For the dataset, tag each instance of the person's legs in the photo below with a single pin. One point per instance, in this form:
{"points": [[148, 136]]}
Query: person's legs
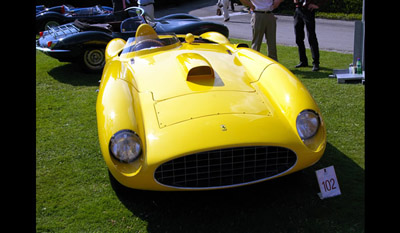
{"points": [[225, 10], [309, 20], [258, 27], [299, 34], [219, 6], [270, 35], [149, 9]]}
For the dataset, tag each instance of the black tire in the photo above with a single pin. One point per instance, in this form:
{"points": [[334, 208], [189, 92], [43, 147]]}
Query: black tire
{"points": [[93, 59]]}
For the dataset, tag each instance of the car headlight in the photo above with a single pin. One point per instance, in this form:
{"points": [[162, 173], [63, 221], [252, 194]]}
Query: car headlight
{"points": [[307, 124], [125, 146]]}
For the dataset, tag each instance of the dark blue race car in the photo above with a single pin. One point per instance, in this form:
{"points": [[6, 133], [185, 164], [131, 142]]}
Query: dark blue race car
{"points": [[57, 15], [85, 43]]}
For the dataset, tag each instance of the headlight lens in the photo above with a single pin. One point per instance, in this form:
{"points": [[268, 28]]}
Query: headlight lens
{"points": [[307, 124], [125, 146]]}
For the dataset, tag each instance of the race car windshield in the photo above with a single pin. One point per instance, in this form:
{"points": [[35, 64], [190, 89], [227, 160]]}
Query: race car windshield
{"points": [[135, 44], [87, 11]]}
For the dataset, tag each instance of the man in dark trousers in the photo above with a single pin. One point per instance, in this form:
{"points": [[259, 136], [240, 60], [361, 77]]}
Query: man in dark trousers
{"points": [[305, 15]]}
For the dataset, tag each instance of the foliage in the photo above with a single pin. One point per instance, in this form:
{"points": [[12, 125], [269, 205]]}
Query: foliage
{"points": [[86, 3], [331, 6]]}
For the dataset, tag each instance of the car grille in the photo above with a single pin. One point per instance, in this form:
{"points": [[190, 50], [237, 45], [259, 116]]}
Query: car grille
{"points": [[225, 167]]}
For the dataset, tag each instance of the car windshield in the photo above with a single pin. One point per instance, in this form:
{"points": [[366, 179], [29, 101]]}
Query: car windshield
{"points": [[87, 11], [148, 43]]}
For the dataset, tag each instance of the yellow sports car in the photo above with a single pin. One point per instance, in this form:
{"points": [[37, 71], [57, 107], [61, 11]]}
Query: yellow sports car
{"points": [[184, 112]]}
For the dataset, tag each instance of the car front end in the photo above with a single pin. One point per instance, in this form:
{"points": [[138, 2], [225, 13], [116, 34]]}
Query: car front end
{"points": [[212, 150]]}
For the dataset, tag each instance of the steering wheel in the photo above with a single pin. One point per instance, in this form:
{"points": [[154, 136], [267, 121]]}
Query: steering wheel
{"points": [[149, 43], [139, 12], [134, 7]]}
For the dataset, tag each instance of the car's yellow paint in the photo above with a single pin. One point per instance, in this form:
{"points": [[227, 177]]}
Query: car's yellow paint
{"points": [[114, 48], [177, 97]]}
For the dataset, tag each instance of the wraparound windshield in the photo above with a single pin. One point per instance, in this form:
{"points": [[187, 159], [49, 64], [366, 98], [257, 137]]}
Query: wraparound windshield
{"points": [[96, 10], [135, 44]]}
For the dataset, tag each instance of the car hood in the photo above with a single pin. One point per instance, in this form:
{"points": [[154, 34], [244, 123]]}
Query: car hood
{"points": [[203, 82], [167, 74]]}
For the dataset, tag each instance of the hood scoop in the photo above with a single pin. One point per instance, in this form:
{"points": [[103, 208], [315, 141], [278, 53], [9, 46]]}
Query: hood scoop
{"points": [[196, 68]]}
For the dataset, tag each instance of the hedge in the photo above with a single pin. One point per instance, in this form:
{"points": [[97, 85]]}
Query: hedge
{"points": [[80, 3], [332, 6]]}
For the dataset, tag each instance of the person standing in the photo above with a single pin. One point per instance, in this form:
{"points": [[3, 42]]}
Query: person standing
{"points": [[223, 4], [118, 9], [232, 5], [305, 15], [263, 23], [147, 6]]}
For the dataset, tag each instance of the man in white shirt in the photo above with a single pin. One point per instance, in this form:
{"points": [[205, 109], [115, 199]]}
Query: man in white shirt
{"points": [[263, 22]]}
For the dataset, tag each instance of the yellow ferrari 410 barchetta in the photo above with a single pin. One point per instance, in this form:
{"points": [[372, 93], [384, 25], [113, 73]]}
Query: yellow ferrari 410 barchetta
{"points": [[184, 112]]}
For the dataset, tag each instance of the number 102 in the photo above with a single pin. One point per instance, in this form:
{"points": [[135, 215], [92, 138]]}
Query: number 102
{"points": [[329, 185]]}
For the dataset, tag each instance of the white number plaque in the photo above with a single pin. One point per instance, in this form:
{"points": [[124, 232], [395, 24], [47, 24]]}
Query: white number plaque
{"points": [[328, 183]]}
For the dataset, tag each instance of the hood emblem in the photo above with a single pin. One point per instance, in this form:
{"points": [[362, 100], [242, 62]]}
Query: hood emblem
{"points": [[223, 128]]}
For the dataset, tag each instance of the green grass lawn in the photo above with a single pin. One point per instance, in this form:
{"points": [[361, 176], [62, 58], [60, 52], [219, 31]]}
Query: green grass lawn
{"points": [[74, 192]]}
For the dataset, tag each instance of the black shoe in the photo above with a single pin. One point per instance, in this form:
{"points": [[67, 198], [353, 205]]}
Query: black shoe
{"points": [[302, 64], [315, 67], [226, 20]]}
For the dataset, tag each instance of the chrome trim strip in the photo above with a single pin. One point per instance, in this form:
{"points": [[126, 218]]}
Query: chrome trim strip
{"points": [[47, 50]]}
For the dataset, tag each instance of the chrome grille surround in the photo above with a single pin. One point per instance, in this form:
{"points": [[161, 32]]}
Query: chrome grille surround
{"points": [[225, 167]]}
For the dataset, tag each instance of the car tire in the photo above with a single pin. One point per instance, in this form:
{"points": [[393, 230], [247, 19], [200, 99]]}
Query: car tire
{"points": [[93, 59]]}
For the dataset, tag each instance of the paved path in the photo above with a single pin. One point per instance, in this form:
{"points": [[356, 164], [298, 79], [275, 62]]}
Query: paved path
{"points": [[333, 35]]}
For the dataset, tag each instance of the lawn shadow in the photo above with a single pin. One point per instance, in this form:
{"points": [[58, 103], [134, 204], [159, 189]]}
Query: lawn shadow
{"points": [[74, 75], [307, 72], [286, 204]]}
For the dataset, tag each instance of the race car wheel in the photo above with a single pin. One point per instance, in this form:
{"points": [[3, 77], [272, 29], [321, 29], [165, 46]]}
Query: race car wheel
{"points": [[93, 59]]}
